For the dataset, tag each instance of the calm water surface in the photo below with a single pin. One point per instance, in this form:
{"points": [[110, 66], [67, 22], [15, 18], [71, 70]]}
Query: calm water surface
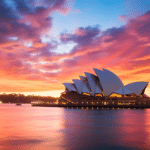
{"points": [[41, 128]]}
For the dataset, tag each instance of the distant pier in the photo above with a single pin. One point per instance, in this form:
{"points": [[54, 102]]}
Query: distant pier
{"points": [[91, 106]]}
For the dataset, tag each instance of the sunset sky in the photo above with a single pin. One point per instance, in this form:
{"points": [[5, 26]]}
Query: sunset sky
{"points": [[44, 43]]}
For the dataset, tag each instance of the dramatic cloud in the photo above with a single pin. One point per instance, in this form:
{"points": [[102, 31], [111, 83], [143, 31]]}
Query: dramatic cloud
{"points": [[124, 50], [33, 64], [22, 25], [82, 36]]}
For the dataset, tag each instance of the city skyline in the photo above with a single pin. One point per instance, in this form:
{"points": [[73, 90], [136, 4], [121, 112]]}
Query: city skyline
{"points": [[47, 43]]}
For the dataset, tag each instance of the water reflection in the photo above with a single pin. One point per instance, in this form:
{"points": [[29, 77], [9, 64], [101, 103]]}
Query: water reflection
{"points": [[42, 128], [134, 129], [30, 127], [107, 129]]}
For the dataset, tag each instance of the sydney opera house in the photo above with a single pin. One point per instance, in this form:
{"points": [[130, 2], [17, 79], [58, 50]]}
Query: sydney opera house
{"points": [[104, 88]]}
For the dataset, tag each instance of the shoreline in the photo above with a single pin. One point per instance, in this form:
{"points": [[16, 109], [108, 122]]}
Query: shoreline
{"points": [[92, 106]]}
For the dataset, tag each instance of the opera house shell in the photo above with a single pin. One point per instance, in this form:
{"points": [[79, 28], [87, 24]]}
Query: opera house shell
{"points": [[105, 83], [104, 89]]}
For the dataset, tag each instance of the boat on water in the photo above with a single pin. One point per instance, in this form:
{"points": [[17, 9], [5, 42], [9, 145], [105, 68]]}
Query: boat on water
{"points": [[18, 104]]}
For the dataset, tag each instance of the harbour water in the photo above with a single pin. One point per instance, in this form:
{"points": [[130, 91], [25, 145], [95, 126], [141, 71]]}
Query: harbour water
{"points": [[42, 128]]}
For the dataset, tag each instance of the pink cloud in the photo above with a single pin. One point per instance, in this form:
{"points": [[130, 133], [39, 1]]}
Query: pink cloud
{"points": [[124, 50]]}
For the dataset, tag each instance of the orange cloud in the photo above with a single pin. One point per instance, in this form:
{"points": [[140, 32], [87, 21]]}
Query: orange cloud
{"points": [[28, 64]]}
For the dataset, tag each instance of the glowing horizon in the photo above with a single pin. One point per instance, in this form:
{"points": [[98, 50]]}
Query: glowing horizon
{"points": [[46, 43], [43, 93]]}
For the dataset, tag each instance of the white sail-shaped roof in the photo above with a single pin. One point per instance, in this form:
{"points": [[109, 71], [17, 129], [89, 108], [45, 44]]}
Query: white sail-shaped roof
{"points": [[127, 91], [120, 91], [109, 81], [74, 88], [105, 83], [79, 85], [123, 91], [137, 87], [70, 86], [86, 88], [83, 79], [93, 81], [98, 89]]}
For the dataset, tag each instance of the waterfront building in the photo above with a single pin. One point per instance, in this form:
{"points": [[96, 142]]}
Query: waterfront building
{"points": [[104, 87]]}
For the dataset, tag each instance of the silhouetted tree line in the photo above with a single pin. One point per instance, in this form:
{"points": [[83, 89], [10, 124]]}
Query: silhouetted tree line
{"points": [[15, 98]]}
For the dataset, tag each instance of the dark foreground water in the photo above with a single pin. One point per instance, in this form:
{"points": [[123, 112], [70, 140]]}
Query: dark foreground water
{"points": [[40, 128]]}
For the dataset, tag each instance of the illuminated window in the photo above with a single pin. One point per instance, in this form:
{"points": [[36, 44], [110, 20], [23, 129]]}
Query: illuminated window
{"points": [[86, 94], [100, 95], [130, 95], [116, 95]]}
